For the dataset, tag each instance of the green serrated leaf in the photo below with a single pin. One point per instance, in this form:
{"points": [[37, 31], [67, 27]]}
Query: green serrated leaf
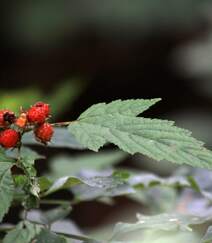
{"points": [[164, 222], [208, 236], [6, 188], [159, 139], [126, 108], [48, 236], [23, 233]]}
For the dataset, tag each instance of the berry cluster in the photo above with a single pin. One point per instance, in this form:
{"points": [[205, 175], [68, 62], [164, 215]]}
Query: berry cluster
{"points": [[35, 118]]}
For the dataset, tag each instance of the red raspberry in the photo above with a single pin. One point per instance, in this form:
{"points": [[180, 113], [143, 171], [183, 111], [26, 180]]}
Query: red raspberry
{"points": [[9, 138], [6, 116], [36, 115], [44, 106], [44, 132]]}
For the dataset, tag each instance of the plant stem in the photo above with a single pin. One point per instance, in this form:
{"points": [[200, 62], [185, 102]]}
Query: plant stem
{"points": [[62, 124], [79, 237], [6, 228], [25, 215], [54, 202]]}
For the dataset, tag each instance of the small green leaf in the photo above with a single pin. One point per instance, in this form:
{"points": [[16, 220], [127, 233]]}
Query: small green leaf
{"points": [[208, 236], [44, 183], [23, 233], [46, 236], [28, 158], [6, 188], [117, 123], [20, 180]]}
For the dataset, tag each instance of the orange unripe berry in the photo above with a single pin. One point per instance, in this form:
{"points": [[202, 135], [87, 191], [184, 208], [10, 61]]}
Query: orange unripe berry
{"points": [[21, 121]]}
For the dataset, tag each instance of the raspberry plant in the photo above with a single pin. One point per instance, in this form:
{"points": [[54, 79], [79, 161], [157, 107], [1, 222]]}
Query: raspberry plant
{"points": [[117, 123]]}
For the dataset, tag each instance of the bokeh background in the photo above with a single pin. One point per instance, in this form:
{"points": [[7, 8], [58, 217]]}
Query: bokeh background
{"points": [[73, 54]]}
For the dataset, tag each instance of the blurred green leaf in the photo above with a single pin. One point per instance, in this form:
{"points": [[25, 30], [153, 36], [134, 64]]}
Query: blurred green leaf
{"points": [[208, 236], [44, 183], [61, 139], [164, 222], [61, 98], [5, 157], [14, 99], [103, 183], [24, 232], [73, 165], [64, 96], [48, 236], [20, 180], [55, 214]]}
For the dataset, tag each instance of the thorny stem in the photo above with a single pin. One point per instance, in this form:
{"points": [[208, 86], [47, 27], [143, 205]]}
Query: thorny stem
{"points": [[57, 124], [19, 154], [62, 124]]}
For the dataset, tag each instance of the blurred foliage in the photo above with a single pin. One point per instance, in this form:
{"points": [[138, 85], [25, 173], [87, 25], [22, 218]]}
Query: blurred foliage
{"points": [[85, 163], [60, 139], [61, 98]]}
